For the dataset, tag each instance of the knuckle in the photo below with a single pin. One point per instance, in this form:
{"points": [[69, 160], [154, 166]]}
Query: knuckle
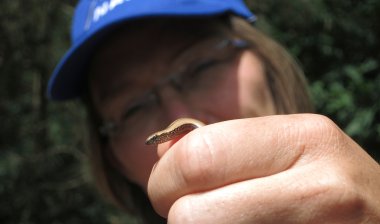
{"points": [[347, 201], [351, 204], [322, 125], [320, 131], [336, 193]]}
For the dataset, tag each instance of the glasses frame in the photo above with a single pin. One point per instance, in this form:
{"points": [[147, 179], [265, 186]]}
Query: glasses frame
{"points": [[107, 128]]}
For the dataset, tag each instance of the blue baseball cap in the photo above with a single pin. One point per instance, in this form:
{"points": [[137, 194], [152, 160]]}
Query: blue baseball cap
{"points": [[93, 19]]}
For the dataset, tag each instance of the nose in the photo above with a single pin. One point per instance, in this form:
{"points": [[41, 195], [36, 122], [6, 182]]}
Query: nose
{"points": [[174, 106], [173, 103]]}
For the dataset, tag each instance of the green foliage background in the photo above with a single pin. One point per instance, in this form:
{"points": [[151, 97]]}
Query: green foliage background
{"points": [[42, 154]]}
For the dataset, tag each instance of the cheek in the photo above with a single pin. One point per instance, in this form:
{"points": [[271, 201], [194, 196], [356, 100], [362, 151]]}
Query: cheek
{"points": [[255, 98], [135, 161]]}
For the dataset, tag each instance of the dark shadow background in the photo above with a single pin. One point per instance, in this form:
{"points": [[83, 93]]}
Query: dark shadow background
{"points": [[42, 154]]}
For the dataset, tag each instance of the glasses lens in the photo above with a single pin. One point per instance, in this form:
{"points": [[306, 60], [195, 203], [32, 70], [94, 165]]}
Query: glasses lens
{"points": [[198, 72], [207, 70]]}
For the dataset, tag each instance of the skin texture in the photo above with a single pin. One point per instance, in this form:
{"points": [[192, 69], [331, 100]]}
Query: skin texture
{"points": [[295, 169], [247, 165]]}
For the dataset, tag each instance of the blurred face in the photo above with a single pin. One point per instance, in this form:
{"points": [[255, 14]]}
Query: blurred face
{"points": [[143, 80]]}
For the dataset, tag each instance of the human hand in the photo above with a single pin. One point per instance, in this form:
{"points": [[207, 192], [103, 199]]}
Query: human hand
{"points": [[276, 169]]}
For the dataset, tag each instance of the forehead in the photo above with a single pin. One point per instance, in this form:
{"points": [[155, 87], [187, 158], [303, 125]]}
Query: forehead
{"points": [[143, 36], [144, 45]]}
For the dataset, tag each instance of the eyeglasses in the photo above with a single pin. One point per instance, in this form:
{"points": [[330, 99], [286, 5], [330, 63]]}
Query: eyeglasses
{"points": [[201, 74]]}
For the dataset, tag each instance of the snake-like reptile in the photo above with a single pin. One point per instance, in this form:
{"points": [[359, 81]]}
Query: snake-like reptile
{"points": [[178, 127]]}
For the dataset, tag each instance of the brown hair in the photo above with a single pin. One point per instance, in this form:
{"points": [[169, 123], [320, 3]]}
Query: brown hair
{"points": [[285, 78], [288, 88]]}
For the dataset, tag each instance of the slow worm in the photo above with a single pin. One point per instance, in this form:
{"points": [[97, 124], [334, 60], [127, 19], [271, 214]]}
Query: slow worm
{"points": [[178, 127]]}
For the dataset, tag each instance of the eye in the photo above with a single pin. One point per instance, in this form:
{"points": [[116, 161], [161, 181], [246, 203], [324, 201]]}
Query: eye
{"points": [[196, 74], [131, 110], [204, 65], [139, 105], [198, 68]]}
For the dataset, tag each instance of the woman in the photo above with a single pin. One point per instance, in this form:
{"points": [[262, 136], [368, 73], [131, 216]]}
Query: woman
{"points": [[138, 65]]}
